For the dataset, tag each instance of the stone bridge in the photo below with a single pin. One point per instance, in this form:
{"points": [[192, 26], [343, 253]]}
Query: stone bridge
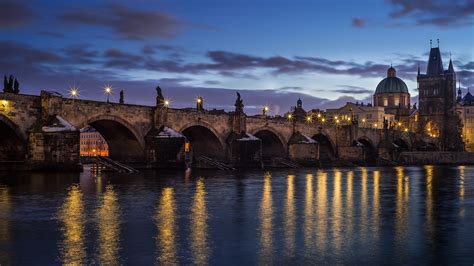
{"points": [[128, 128]]}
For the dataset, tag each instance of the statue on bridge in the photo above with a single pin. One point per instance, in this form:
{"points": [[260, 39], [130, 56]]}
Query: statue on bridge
{"points": [[121, 97], [239, 104], [160, 100]]}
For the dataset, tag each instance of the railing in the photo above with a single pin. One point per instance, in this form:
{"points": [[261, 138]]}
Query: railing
{"points": [[114, 165], [214, 163]]}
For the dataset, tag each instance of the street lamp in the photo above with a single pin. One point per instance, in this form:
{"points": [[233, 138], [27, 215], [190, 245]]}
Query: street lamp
{"points": [[309, 119], [108, 91], [74, 92], [4, 103], [167, 103], [265, 110]]}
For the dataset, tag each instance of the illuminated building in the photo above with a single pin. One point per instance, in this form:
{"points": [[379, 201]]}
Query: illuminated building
{"points": [[92, 143]]}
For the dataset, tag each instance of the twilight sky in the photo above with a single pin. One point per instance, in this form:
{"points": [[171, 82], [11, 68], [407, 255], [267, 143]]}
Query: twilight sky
{"points": [[327, 52]]}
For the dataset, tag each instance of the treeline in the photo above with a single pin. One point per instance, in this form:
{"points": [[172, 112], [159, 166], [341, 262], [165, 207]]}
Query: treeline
{"points": [[11, 85]]}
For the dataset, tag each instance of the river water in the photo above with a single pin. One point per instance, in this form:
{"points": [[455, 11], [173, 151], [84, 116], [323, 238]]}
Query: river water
{"points": [[409, 215]]}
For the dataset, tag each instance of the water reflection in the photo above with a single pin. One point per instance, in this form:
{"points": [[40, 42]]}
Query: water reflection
{"points": [[199, 217], [401, 221], [461, 188], [429, 198], [349, 203], [290, 219], [364, 208], [108, 219], [308, 213], [72, 217], [165, 219], [337, 212], [5, 209], [321, 226], [266, 223], [376, 205]]}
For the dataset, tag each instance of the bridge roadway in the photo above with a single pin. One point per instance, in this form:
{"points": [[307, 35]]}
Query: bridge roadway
{"points": [[126, 128]]}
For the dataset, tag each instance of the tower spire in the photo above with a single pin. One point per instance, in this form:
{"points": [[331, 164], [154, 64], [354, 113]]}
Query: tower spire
{"points": [[438, 42], [431, 43]]}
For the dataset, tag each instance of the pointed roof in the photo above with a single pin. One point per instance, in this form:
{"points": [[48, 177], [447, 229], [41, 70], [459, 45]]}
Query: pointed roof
{"points": [[435, 64], [467, 99], [450, 68]]}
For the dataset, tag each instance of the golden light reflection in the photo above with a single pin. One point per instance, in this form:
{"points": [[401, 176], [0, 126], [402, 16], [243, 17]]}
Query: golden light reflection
{"points": [[349, 203], [71, 215], [108, 219], [266, 223], [461, 181], [290, 223], [461, 188], [165, 219], [5, 209], [429, 197], [376, 204], [199, 243], [401, 221], [321, 226], [364, 203], [337, 211], [308, 213]]}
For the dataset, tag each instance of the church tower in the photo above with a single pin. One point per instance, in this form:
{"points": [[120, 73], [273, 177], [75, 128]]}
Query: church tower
{"points": [[438, 121]]}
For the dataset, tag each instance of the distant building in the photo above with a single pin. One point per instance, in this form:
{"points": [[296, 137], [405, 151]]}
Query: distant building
{"points": [[366, 116], [392, 94], [438, 120], [467, 118], [92, 143]]}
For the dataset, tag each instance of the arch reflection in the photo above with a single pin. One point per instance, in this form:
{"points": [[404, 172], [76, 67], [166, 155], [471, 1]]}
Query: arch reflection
{"points": [[72, 218], [199, 217], [290, 223], [108, 219], [165, 219], [266, 223]]}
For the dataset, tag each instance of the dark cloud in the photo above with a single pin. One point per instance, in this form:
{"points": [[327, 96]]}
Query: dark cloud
{"points": [[129, 23], [52, 34], [290, 88], [18, 53], [117, 58], [14, 14], [81, 54], [441, 13], [349, 89], [358, 22]]}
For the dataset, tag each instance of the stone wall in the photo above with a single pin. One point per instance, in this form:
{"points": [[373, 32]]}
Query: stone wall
{"points": [[304, 153], [54, 149], [440, 157]]}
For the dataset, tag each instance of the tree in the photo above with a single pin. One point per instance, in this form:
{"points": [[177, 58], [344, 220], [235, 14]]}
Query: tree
{"points": [[16, 87], [10, 83]]}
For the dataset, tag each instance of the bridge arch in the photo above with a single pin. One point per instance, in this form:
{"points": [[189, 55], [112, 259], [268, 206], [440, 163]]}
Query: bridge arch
{"points": [[273, 143], [12, 141], [327, 149], [205, 140], [370, 149], [125, 143]]}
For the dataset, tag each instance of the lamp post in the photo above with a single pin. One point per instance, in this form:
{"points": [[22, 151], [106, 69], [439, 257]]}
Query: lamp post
{"points": [[108, 91]]}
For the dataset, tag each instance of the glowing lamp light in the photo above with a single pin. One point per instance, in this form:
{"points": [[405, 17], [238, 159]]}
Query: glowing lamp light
{"points": [[324, 119], [266, 108], [363, 120], [308, 119], [167, 103], [319, 115], [290, 116], [399, 123], [4, 103], [108, 89], [375, 125], [198, 100], [406, 129], [336, 117]]}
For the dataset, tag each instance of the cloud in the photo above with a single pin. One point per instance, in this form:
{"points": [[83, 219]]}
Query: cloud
{"points": [[129, 23], [81, 54], [349, 89], [358, 22], [14, 14], [442, 13]]}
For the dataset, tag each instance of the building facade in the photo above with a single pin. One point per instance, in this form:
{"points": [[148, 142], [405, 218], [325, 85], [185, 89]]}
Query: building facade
{"points": [[92, 143], [366, 116], [438, 120]]}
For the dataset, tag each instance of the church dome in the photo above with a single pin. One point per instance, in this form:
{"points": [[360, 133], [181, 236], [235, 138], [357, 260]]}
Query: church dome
{"points": [[391, 84]]}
